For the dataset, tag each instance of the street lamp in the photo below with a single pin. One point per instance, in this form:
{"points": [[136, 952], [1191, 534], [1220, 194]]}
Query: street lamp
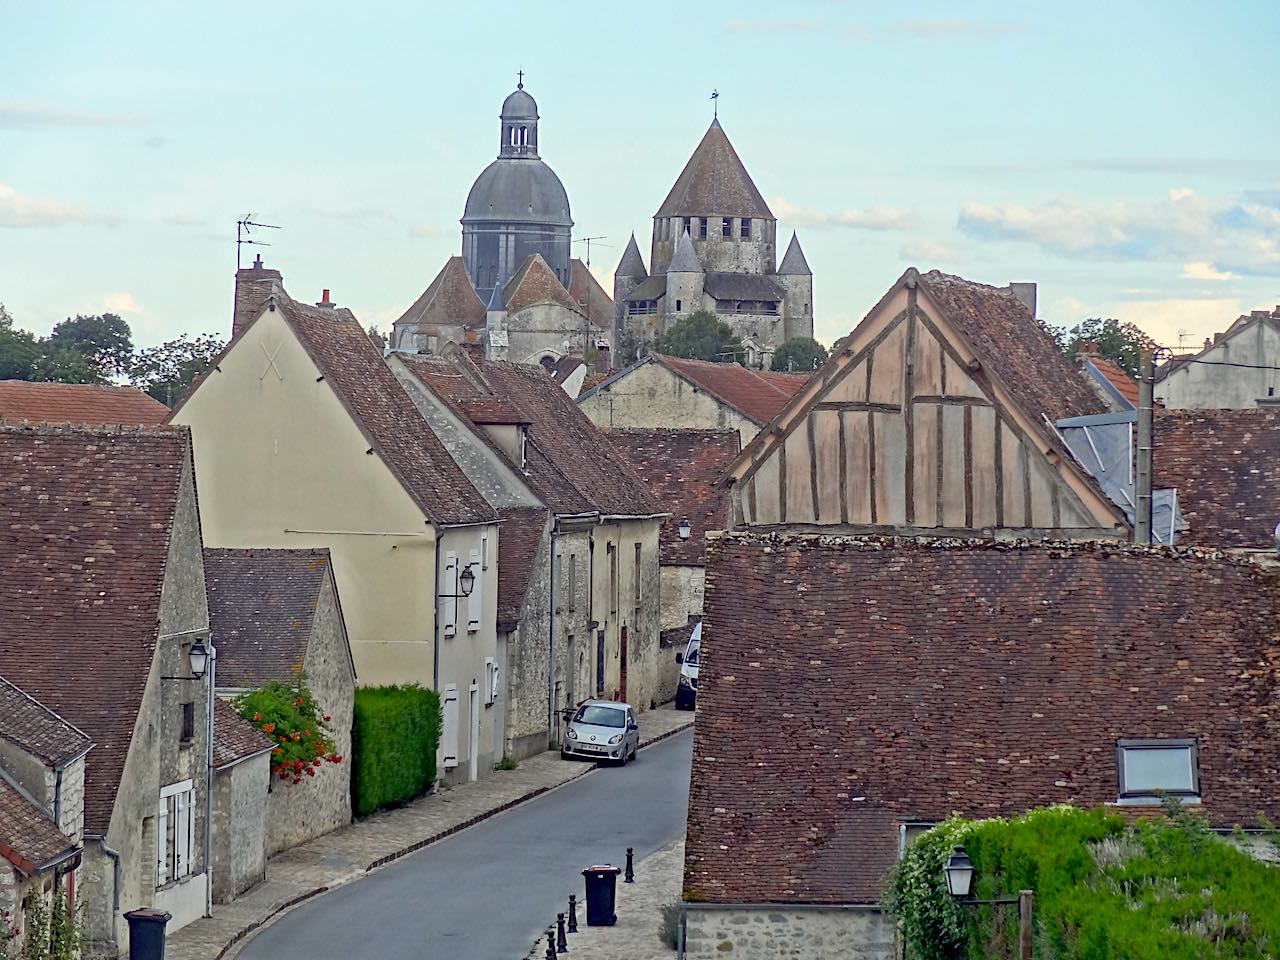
{"points": [[684, 529], [959, 873], [198, 655], [467, 580]]}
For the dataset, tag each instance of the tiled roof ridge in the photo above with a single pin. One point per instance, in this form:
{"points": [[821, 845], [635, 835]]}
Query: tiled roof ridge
{"points": [[937, 276], [106, 430], [48, 710], [885, 542], [682, 431], [296, 551], [1211, 413]]}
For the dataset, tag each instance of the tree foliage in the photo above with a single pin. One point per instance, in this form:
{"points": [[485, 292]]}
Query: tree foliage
{"points": [[378, 337], [799, 354], [23, 356], [105, 340], [166, 371], [699, 336], [1118, 342]]}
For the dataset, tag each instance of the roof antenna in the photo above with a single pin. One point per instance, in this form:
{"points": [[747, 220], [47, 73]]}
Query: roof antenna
{"points": [[715, 104], [586, 325], [244, 232], [587, 241]]}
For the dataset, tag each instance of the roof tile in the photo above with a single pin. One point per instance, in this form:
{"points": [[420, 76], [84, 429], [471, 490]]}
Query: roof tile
{"points": [[519, 537], [756, 394], [714, 182], [234, 737], [28, 837], [90, 405], [36, 729]]}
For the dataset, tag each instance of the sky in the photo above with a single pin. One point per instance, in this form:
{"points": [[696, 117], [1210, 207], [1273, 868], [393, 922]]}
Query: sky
{"points": [[1124, 156]]}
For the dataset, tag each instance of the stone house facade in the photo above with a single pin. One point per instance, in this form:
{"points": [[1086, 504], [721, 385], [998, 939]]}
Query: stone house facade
{"points": [[242, 779], [662, 391], [131, 592], [1239, 368], [276, 614], [305, 439], [918, 677], [577, 515]]}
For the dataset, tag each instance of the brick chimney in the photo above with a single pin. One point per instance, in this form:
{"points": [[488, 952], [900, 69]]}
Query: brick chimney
{"points": [[253, 286], [603, 356], [324, 300], [1026, 294], [1087, 349]]}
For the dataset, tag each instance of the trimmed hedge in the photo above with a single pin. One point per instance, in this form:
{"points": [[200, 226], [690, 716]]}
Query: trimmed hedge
{"points": [[394, 736], [1168, 889]]}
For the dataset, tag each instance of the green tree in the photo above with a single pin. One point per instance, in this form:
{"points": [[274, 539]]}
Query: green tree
{"points": [[799, 354], [105, 339], [699, 336], [18, 350], [166, 371], [23, 357], [1118, 342]]}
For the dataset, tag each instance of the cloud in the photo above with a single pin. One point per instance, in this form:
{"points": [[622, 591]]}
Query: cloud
{"points": [[946, 29], [122, 303], [1174, 322], [930, 251], [430, 231], [1240, 237], [18, 211], [181, 220], [356, 216], [1236, 166], [155, 143], [15, 115], [872, 218], [1204, 271]]}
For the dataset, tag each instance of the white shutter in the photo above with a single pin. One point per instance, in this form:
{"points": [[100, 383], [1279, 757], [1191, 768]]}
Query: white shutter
{"points": [[162, 846], [450, 733], [490, 680], [449, 588], [182, 835], [475, 603]]}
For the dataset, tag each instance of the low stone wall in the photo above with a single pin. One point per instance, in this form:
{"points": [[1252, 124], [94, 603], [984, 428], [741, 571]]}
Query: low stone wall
{"points": [[773, 933], [240, 827]]}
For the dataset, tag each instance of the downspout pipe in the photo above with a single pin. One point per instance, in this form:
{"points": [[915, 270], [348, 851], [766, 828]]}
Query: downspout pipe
{"points": [[1146, 423], [551, 633], [115, 861], [208, 790], [435, 628]]}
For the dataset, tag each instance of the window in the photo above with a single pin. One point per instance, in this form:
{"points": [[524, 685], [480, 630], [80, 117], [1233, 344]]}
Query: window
{"points": [[612, 550], [475, 602], [687, 221], [702, 228], [175, 832], [560, 599], [188, 723], [744, 228], [726, 228], [484, 553], [679, 305], [490, 681], [635, 574], [573, 580], [1149, 767]]}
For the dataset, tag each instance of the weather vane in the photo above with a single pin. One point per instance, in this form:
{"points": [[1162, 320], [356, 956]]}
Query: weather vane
{"points": [[715, 104], [519, 79]]}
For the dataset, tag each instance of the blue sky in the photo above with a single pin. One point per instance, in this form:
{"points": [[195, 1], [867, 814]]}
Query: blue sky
{"points": [[1125, 156]]}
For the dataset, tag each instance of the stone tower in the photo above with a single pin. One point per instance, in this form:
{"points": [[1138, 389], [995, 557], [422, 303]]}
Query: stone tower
{"points": [[797, 281], [516, 207]]}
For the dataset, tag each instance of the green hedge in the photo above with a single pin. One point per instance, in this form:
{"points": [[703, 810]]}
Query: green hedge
{"points": [[1167, 889], [394, 736]]}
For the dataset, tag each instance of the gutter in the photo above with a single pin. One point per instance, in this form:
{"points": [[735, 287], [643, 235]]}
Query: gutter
{"points": [[783, 907], [616, 517]]}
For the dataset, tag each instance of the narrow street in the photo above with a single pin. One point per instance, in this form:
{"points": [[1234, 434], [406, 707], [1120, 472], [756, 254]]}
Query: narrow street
{"points": [[485, 893]]}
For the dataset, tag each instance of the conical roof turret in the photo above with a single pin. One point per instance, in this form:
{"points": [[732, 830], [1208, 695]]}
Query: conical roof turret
{"points": [[632, 264], [714, 183], [496, 303], [793, 261], [685, 259]]}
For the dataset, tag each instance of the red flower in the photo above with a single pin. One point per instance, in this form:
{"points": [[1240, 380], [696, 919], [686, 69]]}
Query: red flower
{"points": [[315, 762], [299, 702], [327, 719], [297, 764], [310, 772], [257, 717], [268, 728], [306, 733], [295, 736], [297, 779], [277, 752]]}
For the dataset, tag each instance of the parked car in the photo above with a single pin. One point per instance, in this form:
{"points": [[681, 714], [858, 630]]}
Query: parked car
{"points": [[602, 730], [687, 687]]}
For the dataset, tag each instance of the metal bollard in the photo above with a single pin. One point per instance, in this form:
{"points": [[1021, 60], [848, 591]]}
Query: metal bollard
{"points": [[551, 945], [562, 945], [573, 913], [630, 876]]}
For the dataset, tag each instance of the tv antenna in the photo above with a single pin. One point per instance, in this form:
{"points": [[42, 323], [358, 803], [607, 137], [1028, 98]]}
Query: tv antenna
{"points": [[1182, 340], [244, 234], [587, 303], [588, 241]]}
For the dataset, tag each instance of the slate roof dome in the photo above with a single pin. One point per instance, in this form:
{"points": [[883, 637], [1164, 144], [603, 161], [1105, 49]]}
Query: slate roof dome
{"points": [[523, 190], [519, 106]]}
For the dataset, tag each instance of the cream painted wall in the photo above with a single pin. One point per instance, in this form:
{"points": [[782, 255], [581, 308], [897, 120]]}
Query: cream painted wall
{"points": [[641, 618]]}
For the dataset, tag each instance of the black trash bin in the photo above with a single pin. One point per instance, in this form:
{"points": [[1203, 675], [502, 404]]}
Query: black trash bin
{"points": [[146, 933], [602, 887]]}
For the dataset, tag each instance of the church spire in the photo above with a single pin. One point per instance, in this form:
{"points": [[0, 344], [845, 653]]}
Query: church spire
{"points": [[632, 264], [519, 124], [685, 260], [793, 261]]}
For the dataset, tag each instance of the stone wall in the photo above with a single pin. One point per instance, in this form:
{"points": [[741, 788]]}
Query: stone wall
{"points": [[240, 826], [1214, 383], [299, 812], [682, 589], [749, 933], [541, 330]]}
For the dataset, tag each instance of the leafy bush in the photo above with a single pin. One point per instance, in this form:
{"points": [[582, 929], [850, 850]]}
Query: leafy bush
{"points": [[699, 336], [669, 927], [53, 931], [394, 737], [289, 715], [1167, 889]]}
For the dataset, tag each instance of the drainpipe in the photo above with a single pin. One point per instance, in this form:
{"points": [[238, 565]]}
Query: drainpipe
{"points": [[1146, 418], [435, 619], [57, 797], [115, 859], [208, 789], [551, 634]]}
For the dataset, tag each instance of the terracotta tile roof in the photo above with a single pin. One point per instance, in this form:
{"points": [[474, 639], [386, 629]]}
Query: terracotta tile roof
{"points": [[1114, 374], [354, 368], [756, 394], [90, 405], [1013, 346], [1225, 465], [743, 286], [85, 521], [234, 737], [680, 467], [262, 604], [535, 282], [850, 683], [714, 183], [581, 281], [36, 729], [449, 300], [563, 368], [492, 410], [519, 537], [593, 380], [28, 837]]}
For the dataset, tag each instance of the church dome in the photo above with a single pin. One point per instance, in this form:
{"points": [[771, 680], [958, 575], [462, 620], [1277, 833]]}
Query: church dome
{"points": [[519, 106], [523, 190]]}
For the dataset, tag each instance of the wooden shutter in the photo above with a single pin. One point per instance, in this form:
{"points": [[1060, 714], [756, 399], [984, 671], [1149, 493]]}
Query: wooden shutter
{"points": [[475, 602], [449, 588], [450, 734], [162, 845], [182, 834]]}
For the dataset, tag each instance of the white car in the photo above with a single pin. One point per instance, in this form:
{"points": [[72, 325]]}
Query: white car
{"points": [[602, 730], [687, 688]]}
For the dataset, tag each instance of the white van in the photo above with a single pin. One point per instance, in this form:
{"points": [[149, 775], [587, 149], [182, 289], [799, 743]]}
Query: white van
{"points": [[687, 688]]}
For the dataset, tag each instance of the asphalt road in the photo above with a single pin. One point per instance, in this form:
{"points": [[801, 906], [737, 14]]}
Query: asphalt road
{"points": [[486, 893]]}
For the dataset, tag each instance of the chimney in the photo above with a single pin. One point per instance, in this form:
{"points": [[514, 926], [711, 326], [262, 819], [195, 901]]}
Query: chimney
{"points": [[1026, 295], [603, 359], [324, 300], [1207, 343], [254, 285], [1087, 349]]}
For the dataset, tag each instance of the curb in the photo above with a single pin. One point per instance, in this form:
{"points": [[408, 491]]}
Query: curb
{"points": [[287, 905]]}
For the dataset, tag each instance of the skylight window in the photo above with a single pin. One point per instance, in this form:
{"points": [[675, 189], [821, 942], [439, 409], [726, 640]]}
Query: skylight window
{"points": [[1151, 768]]}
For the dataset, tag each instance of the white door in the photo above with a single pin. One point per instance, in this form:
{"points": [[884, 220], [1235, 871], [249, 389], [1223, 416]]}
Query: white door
{"points": [[473, 733]]}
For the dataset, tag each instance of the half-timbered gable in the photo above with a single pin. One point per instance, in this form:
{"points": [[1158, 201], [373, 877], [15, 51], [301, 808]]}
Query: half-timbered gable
{"points": [[934, 415]]}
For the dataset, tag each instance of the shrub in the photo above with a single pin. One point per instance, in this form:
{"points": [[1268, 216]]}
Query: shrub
{"points": [[1167, 889], [669, 927], [394, 737], [288, 714]]}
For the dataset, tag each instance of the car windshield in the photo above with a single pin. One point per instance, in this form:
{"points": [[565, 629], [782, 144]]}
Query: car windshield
{"points": [[600, 716], [692, 655]]}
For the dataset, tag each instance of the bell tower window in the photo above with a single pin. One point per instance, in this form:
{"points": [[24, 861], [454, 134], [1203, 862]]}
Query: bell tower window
{"points": [[745, 229]]}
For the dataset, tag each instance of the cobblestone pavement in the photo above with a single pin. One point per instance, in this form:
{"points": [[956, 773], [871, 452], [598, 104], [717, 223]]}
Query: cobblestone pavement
{"points": [[639, 910], [353, 851]]}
